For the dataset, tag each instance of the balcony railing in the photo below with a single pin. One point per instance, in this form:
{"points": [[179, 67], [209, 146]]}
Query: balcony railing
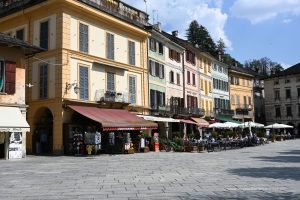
{"points": [[120, 10], [7, 6], [221, 111], [176, 110], [112, 96]]}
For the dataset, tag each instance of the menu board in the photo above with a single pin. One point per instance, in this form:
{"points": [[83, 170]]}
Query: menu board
{"points": [[15, 145]]}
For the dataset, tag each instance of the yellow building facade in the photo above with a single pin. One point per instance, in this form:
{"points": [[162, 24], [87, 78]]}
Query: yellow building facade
{"points": [[204, 64], [89, 53], [241, 94]]}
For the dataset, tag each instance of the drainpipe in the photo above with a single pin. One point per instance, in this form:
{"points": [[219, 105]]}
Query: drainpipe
{"points": [[183, 79]]}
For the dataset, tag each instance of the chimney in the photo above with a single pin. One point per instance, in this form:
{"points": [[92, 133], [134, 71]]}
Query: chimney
{"points": [[175, 33], [157, 26]]}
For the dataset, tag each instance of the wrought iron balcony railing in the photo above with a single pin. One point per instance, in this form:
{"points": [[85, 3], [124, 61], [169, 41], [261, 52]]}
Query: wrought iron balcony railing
{"points": [[112, 96], [221, 111]]}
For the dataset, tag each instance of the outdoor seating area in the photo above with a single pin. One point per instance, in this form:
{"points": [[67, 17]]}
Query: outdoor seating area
{"points": [[228, 136]]}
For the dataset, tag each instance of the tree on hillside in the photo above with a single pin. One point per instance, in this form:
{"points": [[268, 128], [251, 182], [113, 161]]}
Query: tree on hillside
{"points": [[192, 33], [264, 66], [220, 47], [229, 60], [199, 36]]}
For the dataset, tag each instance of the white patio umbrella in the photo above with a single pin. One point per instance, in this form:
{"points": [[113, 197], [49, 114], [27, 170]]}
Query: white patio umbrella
{"points": [[276, 125], [231, 125], [216, 125], [251, 124]]}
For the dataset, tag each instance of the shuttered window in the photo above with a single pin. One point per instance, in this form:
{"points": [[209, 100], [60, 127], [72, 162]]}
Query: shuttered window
{"points": [[171, 77], [194, 79], [9, 79], [110, 81], [110, 46], [188, 77], [131, 47], [43, 81], [83, 38], [161, 71], [84, 82], [132, 89], [178, 79], [44, 34]]}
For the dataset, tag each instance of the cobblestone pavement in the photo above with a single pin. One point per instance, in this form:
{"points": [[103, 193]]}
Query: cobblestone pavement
{"points": [[265, 172]]}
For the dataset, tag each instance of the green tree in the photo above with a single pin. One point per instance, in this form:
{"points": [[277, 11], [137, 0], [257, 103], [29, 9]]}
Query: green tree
{"points": [[220, 47], [264, 66], [192, 32]]}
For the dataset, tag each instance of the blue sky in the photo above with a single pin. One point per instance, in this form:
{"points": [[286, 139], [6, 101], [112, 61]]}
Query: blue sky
{"points": [[251, 29]]}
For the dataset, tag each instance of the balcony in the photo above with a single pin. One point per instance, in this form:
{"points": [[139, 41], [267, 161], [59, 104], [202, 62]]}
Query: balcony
{"points": [[9, 6], [176, 110], [120, 10], [223, 112], [111, 96]]}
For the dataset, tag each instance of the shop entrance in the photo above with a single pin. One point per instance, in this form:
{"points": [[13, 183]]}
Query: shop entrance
{"points": [[43, 133], [2, 145]]}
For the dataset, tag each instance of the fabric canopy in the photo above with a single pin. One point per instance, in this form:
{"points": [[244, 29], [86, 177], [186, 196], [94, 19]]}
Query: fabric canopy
{"points": [[217, 125], [158, 119], [276, 125], [227, 119], [251, 124], [11, 119], [201, 122], [114, 119], [187, 121]]}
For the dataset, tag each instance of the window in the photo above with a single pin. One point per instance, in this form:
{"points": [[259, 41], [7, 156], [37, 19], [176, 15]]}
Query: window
{"points": [[173, 55], [232, 99], [160, 48], [214, 83], [20, 34], [178, 79], [289, 111], [245, 101], [249, 101], [156, 69], [232, 80], [190, 57], [110, 84], [237, 80], [237, 99], [277, 95], [277, 112], [152, 44], [205, 86], [276, 82], [110, 46], [161, 71], [83, 38], [298, 91], [202, 84], [132, 89], [43, 81], [171, 77], [194, 79], [209, 86], [157, 99], [131, 52], [209, 66], [188, 77], [192, 102], [84, 82], [215, 67], [152, 67], [288, 93], [44, 34], [7, 77]]}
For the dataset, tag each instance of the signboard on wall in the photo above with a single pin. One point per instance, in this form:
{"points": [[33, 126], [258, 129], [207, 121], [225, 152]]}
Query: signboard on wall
{"points": [[15, 145]]}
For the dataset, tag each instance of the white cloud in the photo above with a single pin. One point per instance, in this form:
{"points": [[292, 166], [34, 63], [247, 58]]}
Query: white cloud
{"points": [[287, 21], [257, 11], [285, 65], [177, 15]]}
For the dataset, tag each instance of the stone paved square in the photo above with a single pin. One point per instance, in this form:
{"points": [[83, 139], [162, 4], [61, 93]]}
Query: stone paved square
{"points": [[264, 172]]}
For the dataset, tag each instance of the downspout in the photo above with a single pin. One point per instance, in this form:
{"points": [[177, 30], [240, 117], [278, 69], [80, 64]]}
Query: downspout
{"points": [[183, 79]]}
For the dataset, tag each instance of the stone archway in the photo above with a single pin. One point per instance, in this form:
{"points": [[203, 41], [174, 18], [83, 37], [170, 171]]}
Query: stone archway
{"points": [[42, 138]]}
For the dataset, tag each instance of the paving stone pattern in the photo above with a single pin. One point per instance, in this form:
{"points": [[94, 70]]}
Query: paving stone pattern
{"points": [[265, 172]]}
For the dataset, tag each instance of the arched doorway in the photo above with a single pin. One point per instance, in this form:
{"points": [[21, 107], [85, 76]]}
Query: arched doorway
{"points": [[42, 138]]}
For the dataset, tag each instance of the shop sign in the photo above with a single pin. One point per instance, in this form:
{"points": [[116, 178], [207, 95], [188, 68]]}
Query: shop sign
{"points": [[15, 145], [12, 129]]}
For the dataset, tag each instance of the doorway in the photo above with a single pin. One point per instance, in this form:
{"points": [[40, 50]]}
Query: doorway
{"points": [[43, 133]]}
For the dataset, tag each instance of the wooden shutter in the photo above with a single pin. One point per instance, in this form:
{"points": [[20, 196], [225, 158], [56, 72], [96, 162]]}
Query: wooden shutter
{"points": [[84, 82], [10, 77], [131, 46], [156, 69], [132, 89]]}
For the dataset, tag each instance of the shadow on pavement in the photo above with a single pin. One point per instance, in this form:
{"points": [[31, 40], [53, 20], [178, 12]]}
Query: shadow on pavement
{"points": [[284, 159], [242, 195], [292, 173], [292, 152]]}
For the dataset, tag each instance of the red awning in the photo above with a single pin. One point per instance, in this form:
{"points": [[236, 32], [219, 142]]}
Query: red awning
{"points": [[201, 122], [187, 121], [114, 119]]}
